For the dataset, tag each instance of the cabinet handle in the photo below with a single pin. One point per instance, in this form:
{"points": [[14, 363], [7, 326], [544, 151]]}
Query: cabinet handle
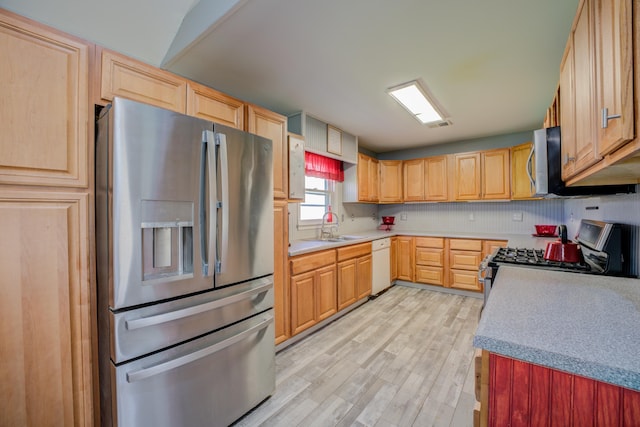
{"points": [[606, 117], [568, 159]]}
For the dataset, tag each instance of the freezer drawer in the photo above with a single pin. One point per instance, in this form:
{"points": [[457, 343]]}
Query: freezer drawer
{"points": [[211, 381], [135, 333]]}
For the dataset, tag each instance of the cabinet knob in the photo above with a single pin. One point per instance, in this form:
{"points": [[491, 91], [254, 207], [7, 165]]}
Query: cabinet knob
{"points": [[606, 117]]}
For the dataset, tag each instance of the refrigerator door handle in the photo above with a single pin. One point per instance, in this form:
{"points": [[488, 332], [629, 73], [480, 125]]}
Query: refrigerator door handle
{"points": [[197, 355], [207, 166], [223, 203], [158, 319]]}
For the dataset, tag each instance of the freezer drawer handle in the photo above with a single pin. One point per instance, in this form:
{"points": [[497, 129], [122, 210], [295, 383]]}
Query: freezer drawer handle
{"points": [[192, 357], [143, 322]]}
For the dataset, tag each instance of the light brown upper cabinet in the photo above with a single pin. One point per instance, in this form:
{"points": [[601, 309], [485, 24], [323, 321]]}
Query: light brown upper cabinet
{"points": [[413, 174], [426, 179], [44, 82], [496, 182], [467, 176], [390, 181], [521, 170], [128, 78], [482, 175], [614, 73], [268, 124], [368, 170], [209, 104], [435, 179], [598, 107]]}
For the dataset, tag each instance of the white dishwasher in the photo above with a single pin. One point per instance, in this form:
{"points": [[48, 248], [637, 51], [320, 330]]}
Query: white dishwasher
{"points": [[381, 260]]}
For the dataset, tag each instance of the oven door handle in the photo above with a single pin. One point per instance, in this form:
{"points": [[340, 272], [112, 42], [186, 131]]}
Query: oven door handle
{"points": [[196, 355], [144, 322]]}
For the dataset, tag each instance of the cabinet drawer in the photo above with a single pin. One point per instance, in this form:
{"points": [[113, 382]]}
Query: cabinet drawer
{"points": [[465, 244], [431, 257], [304, 263], [464, 279], [430, 242], [465, 260], [354, 251], [430, 275]]}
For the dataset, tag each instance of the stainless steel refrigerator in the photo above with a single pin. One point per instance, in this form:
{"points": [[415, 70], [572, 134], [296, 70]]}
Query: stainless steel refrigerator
{"points": [[184, 237]]}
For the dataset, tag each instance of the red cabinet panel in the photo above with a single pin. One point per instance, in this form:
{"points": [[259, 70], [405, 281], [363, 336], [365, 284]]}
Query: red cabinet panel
{"points": [[523, 394]]}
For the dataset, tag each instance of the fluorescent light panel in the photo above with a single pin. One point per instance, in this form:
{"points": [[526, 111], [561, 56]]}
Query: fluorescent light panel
{"points": [[413, 97]]}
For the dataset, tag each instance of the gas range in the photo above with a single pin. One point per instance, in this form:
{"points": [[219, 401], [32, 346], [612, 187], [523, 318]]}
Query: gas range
{"points": [[534, 258], [600, 243]]}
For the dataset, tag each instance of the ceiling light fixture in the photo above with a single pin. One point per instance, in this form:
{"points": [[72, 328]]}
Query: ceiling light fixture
{"points": [[416, 99]]}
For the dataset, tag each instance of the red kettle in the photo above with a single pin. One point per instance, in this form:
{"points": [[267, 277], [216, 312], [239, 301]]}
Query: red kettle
{"points": [[563, 250]]}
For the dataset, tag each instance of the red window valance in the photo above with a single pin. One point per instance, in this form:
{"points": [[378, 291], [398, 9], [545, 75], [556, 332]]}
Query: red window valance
{"points": [[323, 167]]}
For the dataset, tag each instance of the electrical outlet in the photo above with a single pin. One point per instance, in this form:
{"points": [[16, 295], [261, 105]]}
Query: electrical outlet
{"points": [[517, 216], [403, 216], [472, 217]]}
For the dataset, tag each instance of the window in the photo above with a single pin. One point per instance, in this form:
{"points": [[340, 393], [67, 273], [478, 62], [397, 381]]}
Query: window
{"points": [[317, 199]]}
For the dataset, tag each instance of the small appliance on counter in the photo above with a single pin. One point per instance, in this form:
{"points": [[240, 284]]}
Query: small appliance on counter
{"points": [[387, 223]]}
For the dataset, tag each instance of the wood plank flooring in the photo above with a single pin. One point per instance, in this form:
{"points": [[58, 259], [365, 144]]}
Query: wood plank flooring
{"points": [[402, 359]]}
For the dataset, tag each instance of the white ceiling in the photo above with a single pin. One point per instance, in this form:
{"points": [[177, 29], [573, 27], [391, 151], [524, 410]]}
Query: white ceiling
{"points": [[493, 64]]}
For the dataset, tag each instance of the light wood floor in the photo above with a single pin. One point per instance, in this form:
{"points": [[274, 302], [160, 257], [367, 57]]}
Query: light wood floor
{"points": [[402, 359]]}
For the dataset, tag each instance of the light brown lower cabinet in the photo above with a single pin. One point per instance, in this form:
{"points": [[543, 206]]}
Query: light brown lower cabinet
{"points": [[394, 258], [405, 258], [46, 306], [313, 289], [354, 273], [464, 259], [430, 260]]}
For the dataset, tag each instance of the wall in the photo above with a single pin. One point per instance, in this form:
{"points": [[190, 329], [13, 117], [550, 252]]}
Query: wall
{"points": [[516, 217], [488, 143]]}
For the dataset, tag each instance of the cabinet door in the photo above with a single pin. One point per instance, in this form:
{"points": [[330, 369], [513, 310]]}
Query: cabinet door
{"points": [[467, 178], [414, 180], [44, 84], [390, 181], [374, 174], [394, 258], [271, 125], [128, 78], [346, 283], [303, 296], [584, 83], [465, 280], [614, 59], [280, 280], [46, 342], [363, 177], [326, 292], [430, 275], [364, 276], [405, 258], [435, 179], [489, 246], [521, 185], [496, 184], [567, 114], [209, 104]]}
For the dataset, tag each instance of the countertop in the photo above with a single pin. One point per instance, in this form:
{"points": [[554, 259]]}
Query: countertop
{"points": [[299, 247], [582, 324]]}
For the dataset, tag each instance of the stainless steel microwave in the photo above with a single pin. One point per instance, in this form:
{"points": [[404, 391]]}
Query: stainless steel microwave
{"points": [[547, 176]]}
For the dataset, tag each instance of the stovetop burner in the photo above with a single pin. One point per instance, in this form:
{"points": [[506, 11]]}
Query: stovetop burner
{"points": [[535, 258]]}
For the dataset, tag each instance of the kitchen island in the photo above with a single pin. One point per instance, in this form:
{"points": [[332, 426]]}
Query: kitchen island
{"points": [[560, 346]]}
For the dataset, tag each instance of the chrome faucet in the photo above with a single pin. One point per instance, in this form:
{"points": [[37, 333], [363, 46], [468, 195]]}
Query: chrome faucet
{"points": [[332, 226]]}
